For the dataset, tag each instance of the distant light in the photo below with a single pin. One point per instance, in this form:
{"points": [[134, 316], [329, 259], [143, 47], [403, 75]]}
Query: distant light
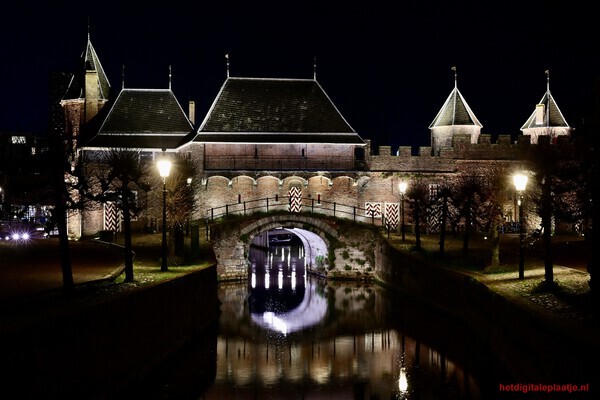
{"points": [[403, 381]]}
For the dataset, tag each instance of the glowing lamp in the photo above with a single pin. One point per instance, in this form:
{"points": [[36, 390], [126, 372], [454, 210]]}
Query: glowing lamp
{"points": [[402, 186], [164, 168], [520, 182]]}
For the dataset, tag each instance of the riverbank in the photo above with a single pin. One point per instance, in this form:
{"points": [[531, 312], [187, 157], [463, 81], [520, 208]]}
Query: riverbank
{"points": [[552, 326], [502, 308], [110, 334], [568, 299]]}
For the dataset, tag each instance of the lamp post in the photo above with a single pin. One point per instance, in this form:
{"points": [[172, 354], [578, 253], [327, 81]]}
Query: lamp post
{"points": [[189, 185], [164, 168], [520, 181], [402, 186]]}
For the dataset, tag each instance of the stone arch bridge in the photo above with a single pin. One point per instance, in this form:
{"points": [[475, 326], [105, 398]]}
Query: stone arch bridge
{"points": [[333, 247]]}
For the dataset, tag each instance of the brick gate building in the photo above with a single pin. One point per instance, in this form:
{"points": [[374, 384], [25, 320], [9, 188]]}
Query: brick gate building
{"points": [[279, 137]]}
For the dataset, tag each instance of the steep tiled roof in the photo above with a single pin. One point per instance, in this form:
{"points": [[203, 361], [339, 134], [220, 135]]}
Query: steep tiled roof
{"points": [[455, 111], [552, 116], [90, 62], [257, 110], [143, 118]]}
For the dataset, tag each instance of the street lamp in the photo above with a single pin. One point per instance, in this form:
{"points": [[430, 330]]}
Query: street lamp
{"points": [[402, 186], [164, 168], [520, 182]]}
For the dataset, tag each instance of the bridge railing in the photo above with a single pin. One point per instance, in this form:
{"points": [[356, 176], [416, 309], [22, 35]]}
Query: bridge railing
{"points": [[310, 205]]}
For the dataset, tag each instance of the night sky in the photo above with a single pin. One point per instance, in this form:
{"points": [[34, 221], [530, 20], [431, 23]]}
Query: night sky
{"points": [[386, 67]]}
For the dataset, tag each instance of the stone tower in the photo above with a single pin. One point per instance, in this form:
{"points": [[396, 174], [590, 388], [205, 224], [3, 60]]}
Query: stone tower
{"points": [[454, 119], [546, 119], [87, 93]]}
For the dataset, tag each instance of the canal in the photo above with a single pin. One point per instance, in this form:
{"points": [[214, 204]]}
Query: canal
{"points": [[286, 334]]}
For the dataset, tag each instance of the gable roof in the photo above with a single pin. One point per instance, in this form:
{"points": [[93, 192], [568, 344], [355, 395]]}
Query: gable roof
{"points": [[552, 116], [455, 111], [143, 118], [267, 110], [90, 62]]}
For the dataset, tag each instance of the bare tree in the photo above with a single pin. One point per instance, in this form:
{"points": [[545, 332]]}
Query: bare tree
{"points": [[555, 169], [418, 196], [471, 195], [491, 216], [60, 213], [117, 176], [590, 136], [181, 201], [63, 156], [443, 200]]}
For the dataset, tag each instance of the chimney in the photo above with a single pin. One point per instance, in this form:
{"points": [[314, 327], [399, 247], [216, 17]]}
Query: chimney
{"points": [[539, 114], [192, 112]]}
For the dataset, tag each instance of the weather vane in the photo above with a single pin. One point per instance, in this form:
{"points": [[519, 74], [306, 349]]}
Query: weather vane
{"points": [[227, 58]]}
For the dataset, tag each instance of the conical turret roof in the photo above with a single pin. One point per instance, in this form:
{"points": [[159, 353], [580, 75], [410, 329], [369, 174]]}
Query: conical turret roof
{"points": [[455, 111], [551, 117]]}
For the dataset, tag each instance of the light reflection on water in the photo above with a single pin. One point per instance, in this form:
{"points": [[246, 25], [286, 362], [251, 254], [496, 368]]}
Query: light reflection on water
{"points": [[288, 335]]}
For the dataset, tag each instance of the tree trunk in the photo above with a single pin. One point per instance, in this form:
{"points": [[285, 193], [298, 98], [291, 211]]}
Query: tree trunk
{"points": [[590, 238], [61, 220], [546, 214], [417, 226], [467, 233], [443, 225], [178, 239], [495, 245], [127, 235]]}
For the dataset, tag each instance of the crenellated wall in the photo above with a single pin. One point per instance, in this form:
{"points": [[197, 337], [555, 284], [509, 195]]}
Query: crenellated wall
{"points": [[462, 149], [356, 190]]}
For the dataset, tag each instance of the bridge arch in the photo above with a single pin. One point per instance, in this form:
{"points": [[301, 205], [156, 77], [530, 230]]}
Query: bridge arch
{"points": [[231, 242]]}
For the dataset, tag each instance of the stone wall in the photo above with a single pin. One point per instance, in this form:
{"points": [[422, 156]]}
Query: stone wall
{"points": [[511, 332], [80, 352], [350, 247], [243, 191]]}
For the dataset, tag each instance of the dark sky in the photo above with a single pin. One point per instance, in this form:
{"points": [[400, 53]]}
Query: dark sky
{"points": [[386, 67]]}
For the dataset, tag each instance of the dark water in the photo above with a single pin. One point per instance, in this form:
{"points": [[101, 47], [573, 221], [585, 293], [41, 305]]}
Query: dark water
{"points": [[288, 335]]}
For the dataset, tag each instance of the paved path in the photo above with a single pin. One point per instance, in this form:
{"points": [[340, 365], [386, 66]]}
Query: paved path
{"points": [[34, 267]]}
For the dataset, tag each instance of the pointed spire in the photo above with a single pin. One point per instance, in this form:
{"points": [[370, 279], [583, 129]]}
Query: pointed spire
{"points": [[123, 77], [227, 58], [455, 76], [315, 68], [455, 89], [455, 110], [549, 116], [169, 77], [548, 98]]}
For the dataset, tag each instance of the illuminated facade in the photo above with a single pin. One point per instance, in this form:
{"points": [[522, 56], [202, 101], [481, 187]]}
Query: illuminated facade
{"points": [[273, 137]]}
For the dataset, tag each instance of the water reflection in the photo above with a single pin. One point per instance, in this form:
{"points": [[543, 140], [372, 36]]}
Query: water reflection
{"points": [[288, 335], [288, 306]]}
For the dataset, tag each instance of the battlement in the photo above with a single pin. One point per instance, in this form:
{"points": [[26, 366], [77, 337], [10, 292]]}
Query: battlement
{"points": [[403, 160]]}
